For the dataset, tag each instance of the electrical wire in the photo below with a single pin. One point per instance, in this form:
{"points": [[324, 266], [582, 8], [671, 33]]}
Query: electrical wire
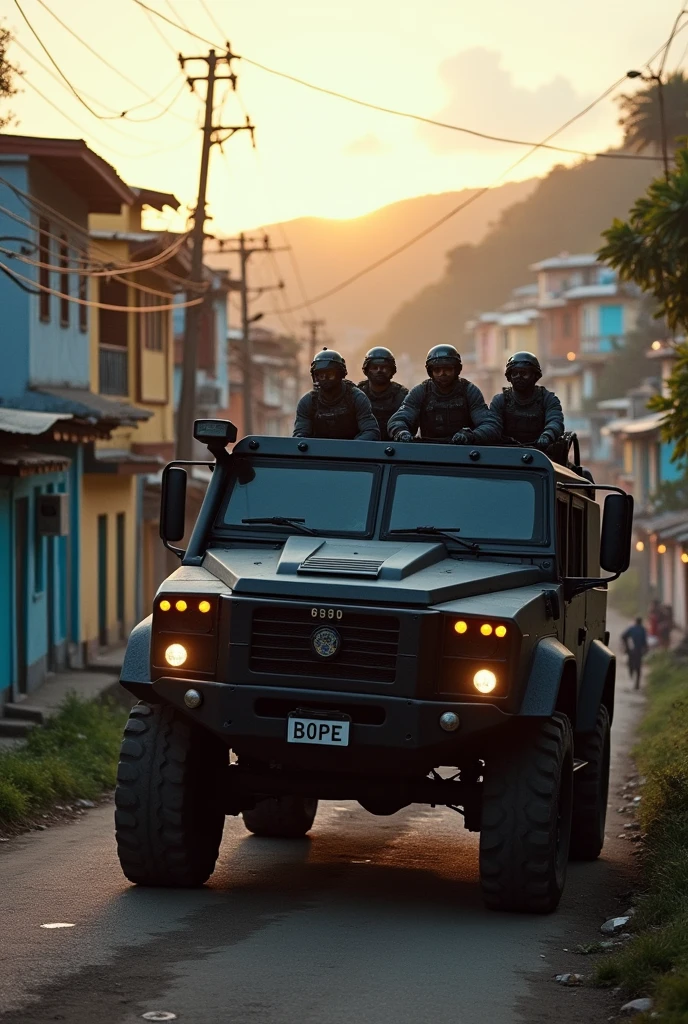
{"points": [[113, 67], [101, 305], [401, 113], [211, 17]]}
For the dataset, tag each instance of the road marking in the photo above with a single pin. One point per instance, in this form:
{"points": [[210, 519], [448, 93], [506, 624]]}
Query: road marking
{"points": [[57, 924]]}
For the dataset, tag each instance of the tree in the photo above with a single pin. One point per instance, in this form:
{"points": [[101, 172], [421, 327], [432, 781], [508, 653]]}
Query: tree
{"points": [[641, 115], [7, 74], [651, 249]]}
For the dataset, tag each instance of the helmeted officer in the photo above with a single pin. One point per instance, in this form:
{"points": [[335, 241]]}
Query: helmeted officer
{"points": [[447, 407], [527, 413], [335, 407], [385, 395]]}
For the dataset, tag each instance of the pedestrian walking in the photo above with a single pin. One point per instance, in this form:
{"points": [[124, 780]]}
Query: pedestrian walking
{"points": [[635, 644]]}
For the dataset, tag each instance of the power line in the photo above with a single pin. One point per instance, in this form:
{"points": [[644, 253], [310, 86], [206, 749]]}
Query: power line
{"points": [[211, 16], [402, 113], [112, 67]]}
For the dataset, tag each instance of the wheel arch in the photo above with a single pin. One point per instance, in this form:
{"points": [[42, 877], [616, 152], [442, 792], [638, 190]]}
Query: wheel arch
{"points": [[552, 681], [597, 686], [136, 675]]}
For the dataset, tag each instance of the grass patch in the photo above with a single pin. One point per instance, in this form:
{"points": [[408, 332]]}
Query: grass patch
{"points": [[656, 961], [74, 755]]}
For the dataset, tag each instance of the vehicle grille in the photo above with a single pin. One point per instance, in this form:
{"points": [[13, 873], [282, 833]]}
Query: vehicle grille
{"points": [[281, 644], [341, 566]]}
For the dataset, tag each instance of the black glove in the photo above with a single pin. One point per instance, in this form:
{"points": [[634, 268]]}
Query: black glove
{"points": [[462, 437], [403, 436], [544, 441]]}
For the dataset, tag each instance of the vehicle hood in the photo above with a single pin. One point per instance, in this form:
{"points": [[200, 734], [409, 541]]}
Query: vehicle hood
{"points": [[394, 572]]}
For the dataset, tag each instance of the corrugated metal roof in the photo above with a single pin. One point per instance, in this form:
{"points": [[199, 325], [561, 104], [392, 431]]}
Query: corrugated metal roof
{"points": [[23, 421], [24, 462], [81, 403]]}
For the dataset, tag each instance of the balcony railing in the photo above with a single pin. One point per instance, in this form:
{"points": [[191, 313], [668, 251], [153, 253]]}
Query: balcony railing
{"points": [[113, 370]]}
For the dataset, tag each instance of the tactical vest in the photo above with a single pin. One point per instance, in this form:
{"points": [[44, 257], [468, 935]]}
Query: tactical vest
{"points": [[441, 416], [524, 421], [384, 404], [338, 420]]}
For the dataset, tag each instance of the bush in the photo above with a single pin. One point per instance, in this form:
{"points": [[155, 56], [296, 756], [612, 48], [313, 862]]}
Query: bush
{"points": [[75, 755], [656, 961]]}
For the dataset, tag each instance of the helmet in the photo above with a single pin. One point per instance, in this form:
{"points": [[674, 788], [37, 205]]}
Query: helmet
{"points": [[379, 354], [328, 359], [523, 359], [442, 354]]}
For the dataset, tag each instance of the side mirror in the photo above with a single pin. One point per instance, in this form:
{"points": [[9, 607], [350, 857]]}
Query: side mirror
{"points": [[173, 504], [617, 525]]}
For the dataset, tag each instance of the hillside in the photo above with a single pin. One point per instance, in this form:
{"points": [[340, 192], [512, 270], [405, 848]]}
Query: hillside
{"points": [[328, 251], [566, 211]]}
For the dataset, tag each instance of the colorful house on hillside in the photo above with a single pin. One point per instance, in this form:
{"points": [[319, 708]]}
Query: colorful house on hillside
{"points": [[49, 415]]}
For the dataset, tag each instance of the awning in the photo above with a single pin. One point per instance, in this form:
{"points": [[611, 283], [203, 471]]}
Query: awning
{"points": [[83, 403], [22, 421], [24, 462]]}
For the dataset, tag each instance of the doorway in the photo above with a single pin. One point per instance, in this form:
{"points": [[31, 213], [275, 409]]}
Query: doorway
{"points": [[21, 572], [102, 582]]}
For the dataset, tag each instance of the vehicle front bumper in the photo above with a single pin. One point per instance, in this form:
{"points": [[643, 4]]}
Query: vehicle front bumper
{"points": [[408, 732]]}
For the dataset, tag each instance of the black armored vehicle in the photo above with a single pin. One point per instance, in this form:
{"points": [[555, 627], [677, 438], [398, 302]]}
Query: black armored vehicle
{"points": [[383, 623]]}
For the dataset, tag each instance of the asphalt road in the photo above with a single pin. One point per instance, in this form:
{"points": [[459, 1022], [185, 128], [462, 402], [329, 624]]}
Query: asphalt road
{"points": [[369, 919]]}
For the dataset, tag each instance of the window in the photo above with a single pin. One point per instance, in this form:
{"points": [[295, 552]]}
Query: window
{"points": [[43, 272], [83, 310], [562, 518], [576, 553], [330, 500], [482, 507], [64, 281], [153, 326], [112, 323]]}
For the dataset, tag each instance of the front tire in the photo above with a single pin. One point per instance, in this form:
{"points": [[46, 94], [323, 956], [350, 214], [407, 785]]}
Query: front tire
{"points": [[591, 791], [281, 817], [526, 819], [169, 805]]}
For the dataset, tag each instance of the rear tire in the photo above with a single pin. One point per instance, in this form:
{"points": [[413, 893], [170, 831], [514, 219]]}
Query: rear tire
{"points": [[526, 819], [281, 817], [591, 791], [169, 803]]}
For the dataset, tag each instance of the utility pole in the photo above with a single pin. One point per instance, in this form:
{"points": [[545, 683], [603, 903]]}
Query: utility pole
{"points": [[187, 402], [244, 250], [313, 327]]}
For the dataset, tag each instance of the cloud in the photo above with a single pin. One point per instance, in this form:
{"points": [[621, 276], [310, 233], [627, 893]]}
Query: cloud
{"points": [[367, 145], [483, 95]]}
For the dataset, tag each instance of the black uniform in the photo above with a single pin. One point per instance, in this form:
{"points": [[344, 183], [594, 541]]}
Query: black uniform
{"points": [[384, 404], [528, 420], [347, 416], [440, 415]]}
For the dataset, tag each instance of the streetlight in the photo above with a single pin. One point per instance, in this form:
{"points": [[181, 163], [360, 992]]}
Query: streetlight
{"points": [[660, 96]]}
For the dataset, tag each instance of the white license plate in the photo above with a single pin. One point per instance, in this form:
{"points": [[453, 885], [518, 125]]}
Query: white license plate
{"points": [[327, 732]]}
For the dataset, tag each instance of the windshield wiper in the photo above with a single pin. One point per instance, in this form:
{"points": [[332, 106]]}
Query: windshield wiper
{"points": [[298, 524], [441, 531]]}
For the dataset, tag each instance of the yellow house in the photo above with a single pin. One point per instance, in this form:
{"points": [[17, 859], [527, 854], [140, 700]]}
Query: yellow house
{"points": [[132, 360], [518, 332]]}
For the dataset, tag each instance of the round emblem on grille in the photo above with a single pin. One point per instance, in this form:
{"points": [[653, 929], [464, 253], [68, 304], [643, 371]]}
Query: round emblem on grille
{"points": [[326, 642]]}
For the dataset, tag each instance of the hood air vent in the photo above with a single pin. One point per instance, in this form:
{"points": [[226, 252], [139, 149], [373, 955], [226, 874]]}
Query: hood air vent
{"points": [[368, 567]]}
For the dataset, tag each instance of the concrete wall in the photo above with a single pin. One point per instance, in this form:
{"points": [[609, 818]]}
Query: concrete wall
{"points": [[15, 303]]}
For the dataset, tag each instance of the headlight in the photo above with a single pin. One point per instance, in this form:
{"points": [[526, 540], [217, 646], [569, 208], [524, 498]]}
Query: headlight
{"points": [[484, 680], [175, 655]]}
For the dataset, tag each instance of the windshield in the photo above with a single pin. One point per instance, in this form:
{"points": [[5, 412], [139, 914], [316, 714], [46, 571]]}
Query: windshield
{"points": [[480, 506], [328, 500]]}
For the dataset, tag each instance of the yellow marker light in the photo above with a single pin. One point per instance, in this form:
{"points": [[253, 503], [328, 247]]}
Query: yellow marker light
{"points": [[639, 546], [165, 606], [656, 345], [661, 549], [460, 626], [484, 680], [175, 655], [486, 629], [204, 606], [684, 557], [181, 606], [500, 631]]}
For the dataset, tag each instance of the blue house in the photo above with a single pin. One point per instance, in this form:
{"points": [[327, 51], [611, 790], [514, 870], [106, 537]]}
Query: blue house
{"points": [[49, 418]]}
